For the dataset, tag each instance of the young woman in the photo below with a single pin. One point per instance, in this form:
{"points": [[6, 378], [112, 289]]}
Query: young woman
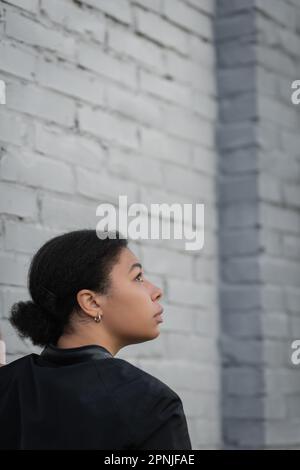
{"points": [[89, 299]]}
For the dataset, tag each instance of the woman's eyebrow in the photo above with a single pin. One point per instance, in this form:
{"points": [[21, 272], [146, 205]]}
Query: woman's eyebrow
{"points": [[135, 265]]}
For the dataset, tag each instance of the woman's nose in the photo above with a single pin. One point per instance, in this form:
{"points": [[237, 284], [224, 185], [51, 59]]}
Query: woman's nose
{"points": [[158, 293]]}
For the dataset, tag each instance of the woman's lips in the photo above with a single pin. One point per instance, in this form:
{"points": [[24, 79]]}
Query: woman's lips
{"points": [[158, 316]]}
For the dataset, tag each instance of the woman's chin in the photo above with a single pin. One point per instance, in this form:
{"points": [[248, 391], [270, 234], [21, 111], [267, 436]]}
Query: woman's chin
{"points": [[156, 331]]}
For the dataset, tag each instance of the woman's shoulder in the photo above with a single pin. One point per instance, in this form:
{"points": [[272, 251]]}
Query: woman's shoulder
{"points": [[120, 373], [151, 410]]}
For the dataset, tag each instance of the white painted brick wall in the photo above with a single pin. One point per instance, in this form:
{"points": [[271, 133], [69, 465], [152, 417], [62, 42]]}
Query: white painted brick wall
{"points": [[107, 98]]}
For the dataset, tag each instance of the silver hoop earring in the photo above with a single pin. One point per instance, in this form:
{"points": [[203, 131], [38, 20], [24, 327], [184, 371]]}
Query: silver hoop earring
{"points": [[97, 318]]}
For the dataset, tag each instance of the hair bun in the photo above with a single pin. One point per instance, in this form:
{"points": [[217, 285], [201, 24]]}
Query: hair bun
{"points": [[31, 322]]}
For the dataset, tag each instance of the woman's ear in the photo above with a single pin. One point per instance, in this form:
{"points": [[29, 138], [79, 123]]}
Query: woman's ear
{"points": [[89, 302]]}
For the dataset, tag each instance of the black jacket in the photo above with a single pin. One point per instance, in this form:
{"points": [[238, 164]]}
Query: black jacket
{"points": [[85, 398]]}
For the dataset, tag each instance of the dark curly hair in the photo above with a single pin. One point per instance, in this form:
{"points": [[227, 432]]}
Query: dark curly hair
{"points": [[64, 265]]}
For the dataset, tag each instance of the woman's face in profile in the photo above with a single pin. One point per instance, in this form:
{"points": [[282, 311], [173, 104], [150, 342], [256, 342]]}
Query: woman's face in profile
{"points": [[130, 306]]}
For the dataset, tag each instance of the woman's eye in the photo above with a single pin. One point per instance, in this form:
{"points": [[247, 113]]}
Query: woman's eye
{"points": [[139, 277]]}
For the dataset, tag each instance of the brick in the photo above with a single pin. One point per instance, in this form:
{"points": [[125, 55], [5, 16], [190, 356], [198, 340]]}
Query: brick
{"points": [[163, 261], [191, 346], [292, 299], [232, 136], [69, 147], [119, 9], [185, 124], [240, 297], [268, 137], [70, 81], [235, 26], [243, 381], [234, 6], [269, 189], [272, 298], [236, 80], [244, 434], [295, 324], [161, 31], [238, 108], [282, 380], [280, 218], [239, 271], [291, 247], [136, 47], [165, 89], [208, 432], [277, 270], [13, 269], [207, 322], [204, 106], [293, 407], [234, 53], [237, 189], [13, 342], [157, 144], [278, 352], [240, 242], [139, 107], [189, 18], [99, 186], [11, 295], [291, 195], [135, 167], [190, 183], [271, 242], [25, 238], [202, 51], [239, 215], [18, 201], [58, 213], [243, 351], [28, 5], [277, 113], [179, 318], [205, 269], [244, 407], [281, 12], [275, 61], [33, 33], [275, 325], [247, 325], [190, 72], [75, 18], [92, 58], [16, 61], [203, 406], [108, 126], [154, 5], [204, 160], [290, 143], [190, 293], [37, 171], [239, 162], [13, 128], [203, 5], [41, 103]]}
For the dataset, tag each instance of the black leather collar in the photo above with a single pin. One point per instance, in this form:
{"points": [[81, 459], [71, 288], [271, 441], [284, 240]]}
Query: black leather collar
{"points": [[74, 355]]}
